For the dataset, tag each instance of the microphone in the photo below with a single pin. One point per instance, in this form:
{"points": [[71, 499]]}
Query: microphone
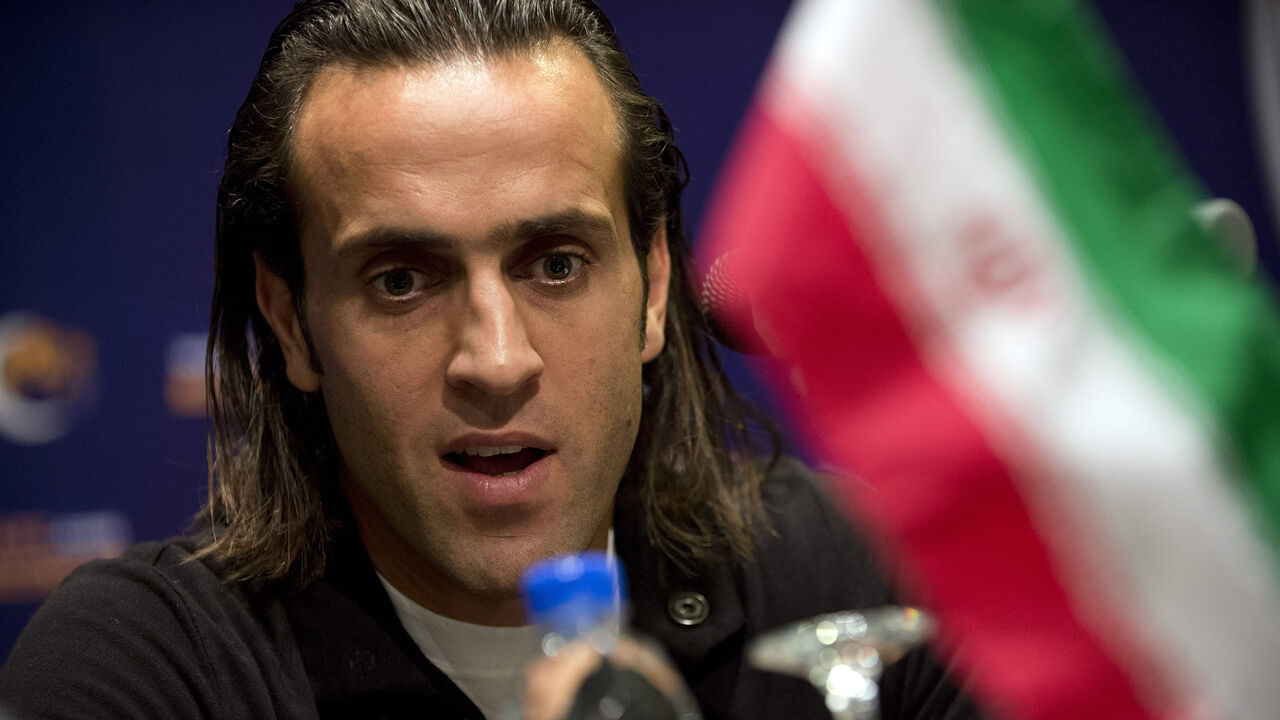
{"points": [[721, 300], [1227, 222]]}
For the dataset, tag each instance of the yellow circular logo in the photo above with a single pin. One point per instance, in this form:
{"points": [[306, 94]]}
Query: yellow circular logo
{"points": [[48, 377]]}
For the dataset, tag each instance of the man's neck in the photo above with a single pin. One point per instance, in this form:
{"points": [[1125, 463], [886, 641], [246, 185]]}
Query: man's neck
{"points": [[427, 585]]}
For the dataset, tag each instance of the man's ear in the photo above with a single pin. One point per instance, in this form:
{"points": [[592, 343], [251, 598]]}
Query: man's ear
{"points": [[655, 313], [275, 301]]}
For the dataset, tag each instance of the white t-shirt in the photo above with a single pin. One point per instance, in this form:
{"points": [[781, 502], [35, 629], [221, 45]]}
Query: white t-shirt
{"points": [[486, 662]]}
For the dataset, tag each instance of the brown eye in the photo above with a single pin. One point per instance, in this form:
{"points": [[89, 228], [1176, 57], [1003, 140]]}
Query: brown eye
{"points": [[397, 283], [560, 266]]}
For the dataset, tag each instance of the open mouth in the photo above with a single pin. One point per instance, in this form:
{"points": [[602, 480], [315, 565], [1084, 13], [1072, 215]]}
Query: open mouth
{"points": [[496, 461]]}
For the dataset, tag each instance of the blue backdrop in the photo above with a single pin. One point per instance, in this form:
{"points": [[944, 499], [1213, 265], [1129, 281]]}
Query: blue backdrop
{"points": [[112, 131]]}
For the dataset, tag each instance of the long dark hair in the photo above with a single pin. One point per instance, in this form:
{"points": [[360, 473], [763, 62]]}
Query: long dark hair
{"points": [[273, 495]]}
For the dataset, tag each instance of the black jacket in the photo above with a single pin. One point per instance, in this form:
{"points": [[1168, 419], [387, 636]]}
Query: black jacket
{"points": [[149, 635]]}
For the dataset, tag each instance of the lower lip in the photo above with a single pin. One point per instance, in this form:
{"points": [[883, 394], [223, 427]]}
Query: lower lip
{"points": [[495, 491]]}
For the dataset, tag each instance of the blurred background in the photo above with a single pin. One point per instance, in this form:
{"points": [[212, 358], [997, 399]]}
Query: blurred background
{"points": [[113, 120]]}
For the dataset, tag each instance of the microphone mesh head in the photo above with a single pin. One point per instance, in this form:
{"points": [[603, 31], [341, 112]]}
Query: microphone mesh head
{"points": [[719, 292], [721, 301]]}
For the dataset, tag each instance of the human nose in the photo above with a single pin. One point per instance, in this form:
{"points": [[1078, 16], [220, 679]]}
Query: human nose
{"points": [[494, 354]]}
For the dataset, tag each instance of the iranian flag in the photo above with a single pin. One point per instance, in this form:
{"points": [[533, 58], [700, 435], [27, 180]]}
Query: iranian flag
{"points": [[972, 249]]}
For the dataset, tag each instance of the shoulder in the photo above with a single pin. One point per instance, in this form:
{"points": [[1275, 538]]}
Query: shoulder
{"points": [[154, 632], [795, 495], [816, 562], [148, 570], [809, 554]]}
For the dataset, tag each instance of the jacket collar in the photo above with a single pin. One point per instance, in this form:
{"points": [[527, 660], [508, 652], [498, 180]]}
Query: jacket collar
{"points": [[357, 653], [688, 613], [360, 660]]}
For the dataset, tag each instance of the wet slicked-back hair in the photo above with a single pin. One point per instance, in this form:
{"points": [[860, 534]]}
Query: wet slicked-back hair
{"points": [[273, 489]]}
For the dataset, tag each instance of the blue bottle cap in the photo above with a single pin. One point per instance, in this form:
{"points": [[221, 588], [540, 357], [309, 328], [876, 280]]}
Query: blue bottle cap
{"points": [[583, 580]]}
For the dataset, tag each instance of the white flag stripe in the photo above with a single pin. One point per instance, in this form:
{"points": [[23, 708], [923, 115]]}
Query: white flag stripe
{"points": [[1122, 474]]}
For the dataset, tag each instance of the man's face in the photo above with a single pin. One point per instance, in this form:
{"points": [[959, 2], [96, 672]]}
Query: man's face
{"points": [[477, 311]]}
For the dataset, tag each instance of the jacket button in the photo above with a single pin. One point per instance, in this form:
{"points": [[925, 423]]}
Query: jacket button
{"points": [[688, 608], [361, 662]]}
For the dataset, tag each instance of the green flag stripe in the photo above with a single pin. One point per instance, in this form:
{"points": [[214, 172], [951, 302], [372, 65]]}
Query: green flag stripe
{"points": [[1124, 198]]}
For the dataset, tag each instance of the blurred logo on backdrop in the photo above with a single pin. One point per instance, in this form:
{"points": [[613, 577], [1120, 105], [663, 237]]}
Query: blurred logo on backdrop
{"points": [[48, 377], [37, 550], [184, 389]]}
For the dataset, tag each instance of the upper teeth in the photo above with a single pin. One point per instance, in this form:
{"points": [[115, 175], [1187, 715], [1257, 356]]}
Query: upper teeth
{"points": [[491, 451]]}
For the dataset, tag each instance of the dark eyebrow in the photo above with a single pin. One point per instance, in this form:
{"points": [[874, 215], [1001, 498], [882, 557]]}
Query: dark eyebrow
{"points": [[390, 238], [573, 221]]}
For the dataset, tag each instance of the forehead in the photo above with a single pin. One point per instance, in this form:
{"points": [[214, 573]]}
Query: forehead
{"points": [[531, 126]]}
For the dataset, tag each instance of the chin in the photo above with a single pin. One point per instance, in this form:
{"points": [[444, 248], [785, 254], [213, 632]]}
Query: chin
{"points": [[500, 566], [504, 562]]}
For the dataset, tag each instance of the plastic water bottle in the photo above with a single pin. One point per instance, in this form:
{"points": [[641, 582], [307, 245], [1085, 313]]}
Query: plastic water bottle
{"points": [[582, 598], [575, 597]]}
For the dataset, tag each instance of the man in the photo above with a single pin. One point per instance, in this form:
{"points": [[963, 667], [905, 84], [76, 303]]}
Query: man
{"points": [[454, 232]]}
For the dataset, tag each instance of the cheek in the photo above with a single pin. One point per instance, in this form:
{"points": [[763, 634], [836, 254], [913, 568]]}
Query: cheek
{"points": [[614, 358], [375, 387], [606, 384]]}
